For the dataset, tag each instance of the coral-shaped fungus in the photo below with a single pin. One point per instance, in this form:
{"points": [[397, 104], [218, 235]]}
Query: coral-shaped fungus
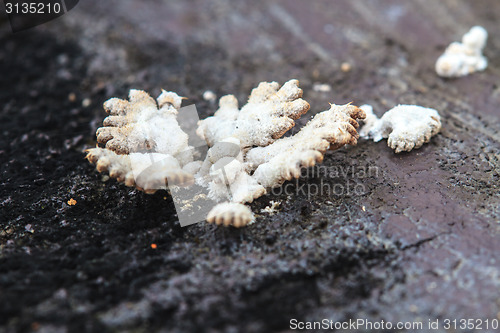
{"points": [[246, 154]]}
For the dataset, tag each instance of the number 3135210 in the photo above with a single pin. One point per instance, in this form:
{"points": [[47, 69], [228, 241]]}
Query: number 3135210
{"points": [[471, 324], [33, 8]]}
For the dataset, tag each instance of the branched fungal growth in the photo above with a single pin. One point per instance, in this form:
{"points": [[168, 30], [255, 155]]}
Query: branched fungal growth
{"points": [[406, 127], [138, 131], [246, 154], [461, 59]]}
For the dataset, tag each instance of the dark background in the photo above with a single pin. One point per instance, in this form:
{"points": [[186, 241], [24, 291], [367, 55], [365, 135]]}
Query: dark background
{"points": [[425, 246]]}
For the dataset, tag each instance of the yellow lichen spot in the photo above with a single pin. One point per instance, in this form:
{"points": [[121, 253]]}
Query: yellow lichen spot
{"points": [[71, 202]]}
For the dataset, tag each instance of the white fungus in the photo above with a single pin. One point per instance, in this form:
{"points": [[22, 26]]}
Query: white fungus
{"points": [[322, 87], [230, 213], [246, 154], [209, 96], [406, 127], [461, 59]]}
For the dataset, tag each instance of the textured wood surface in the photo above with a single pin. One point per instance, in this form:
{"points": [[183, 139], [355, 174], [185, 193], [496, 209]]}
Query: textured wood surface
{"points": [[420, 241]]}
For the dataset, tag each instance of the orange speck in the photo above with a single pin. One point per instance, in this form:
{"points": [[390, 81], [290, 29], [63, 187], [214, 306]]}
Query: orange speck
{"points": [[153, 246], [71, 202]]}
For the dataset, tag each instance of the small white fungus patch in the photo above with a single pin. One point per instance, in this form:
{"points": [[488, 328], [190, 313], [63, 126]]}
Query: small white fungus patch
{"points": [[461, 59], [406, 127]]}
